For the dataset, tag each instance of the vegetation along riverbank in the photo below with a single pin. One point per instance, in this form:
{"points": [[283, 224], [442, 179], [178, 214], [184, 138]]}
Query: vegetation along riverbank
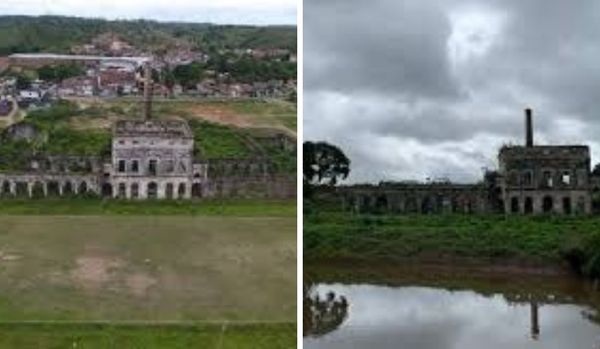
{"points": [[540, 241]]}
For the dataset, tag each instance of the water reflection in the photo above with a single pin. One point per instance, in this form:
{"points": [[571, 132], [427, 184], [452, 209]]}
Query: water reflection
{"points": [[323, 314], [432, 318]]}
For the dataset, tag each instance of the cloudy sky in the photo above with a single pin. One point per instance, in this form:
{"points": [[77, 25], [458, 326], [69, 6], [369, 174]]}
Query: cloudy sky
{"points": [[412, 89], [259, 12]]}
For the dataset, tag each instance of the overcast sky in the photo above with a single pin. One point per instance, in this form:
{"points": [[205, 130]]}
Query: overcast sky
{"points": [[261, 12], [411, 89]]}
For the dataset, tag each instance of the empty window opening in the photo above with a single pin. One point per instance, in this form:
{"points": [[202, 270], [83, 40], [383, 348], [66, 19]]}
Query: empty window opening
{"points": [[514, 205], [548, 204], [565, 178], [548, 179], [152, 190], [567, 205], [152, 167]]}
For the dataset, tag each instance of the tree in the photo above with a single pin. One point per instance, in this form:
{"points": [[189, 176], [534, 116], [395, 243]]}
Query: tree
{"points": [[188, 75], [324, 162], [596, 170], [23, 82]]}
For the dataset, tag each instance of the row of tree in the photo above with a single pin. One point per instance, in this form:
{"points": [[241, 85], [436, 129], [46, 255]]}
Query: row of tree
{"points": [[244, 70]]}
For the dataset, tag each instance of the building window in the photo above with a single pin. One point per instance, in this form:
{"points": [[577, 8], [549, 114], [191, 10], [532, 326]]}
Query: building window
{"points": [[135, 166], [121, 193], [121, 166], [527, 178], [152, 167], [565, 178], [548, 179]]}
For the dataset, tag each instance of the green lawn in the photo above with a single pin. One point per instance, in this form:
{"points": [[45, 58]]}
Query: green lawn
{"points": [[92, 336], [92, 206]]}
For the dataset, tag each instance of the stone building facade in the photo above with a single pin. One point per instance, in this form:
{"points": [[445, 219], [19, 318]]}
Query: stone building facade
{"points": [[152, 159], [531, 179]]}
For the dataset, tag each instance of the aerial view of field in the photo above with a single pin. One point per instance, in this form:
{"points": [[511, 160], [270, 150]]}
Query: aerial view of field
{"points": [[96, 279]]}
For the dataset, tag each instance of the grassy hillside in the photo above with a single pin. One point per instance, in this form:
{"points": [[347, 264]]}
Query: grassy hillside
{"points": [[221, 128], [59, 34]]}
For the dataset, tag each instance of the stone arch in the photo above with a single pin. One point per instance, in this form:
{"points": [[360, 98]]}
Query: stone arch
{"points": [[169, 191], [121, 190], [468, 206], [67, 188], [152, 190], [411, 205], [528, 205], [365, 205], [21, 189], [83, 187], [566, 204], [37, 190], [5, 188], [181, 190], [581, 204], [427, 205], [53, 188], [196, 190], [454, 204], [514, 205], [135, 190], [547, 204], [381, 204], [107, 190]]}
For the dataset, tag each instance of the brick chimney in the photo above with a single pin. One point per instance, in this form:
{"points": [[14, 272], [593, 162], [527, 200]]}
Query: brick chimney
{"points": [[528, 128], [147, 91]]}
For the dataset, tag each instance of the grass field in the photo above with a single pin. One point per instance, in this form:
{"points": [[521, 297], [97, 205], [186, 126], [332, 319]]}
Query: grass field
{"points": [[542, 239], [151, 268], [96, 206], [217, 336]]}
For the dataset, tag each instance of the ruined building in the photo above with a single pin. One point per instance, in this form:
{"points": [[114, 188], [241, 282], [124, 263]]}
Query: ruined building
{"points": [[149, 159], [545, 178], [531, 179]]}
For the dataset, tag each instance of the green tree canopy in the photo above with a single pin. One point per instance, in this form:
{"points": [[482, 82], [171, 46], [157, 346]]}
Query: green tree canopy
{"points": [[189, 74], [324, 162], [59, 72]]}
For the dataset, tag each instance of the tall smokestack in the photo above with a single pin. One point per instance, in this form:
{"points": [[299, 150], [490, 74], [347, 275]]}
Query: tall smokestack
{"points": [[147, 91], [528, 128]]}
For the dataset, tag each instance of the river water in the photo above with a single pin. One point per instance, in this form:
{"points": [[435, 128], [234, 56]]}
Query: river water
{"points": [[474, 315]]}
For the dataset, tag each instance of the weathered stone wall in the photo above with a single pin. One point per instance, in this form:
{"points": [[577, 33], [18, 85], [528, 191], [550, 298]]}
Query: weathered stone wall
{"points": [[267, 186], [415, 198], [33, 185], [545, 179]]}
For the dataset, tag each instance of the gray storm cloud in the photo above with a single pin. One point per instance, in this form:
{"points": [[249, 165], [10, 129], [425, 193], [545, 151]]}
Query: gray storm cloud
{"points": [[416, 89]]}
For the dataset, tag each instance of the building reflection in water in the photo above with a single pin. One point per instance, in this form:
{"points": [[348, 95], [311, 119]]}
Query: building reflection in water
{"points": [[535, 324], [323, 315]]}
